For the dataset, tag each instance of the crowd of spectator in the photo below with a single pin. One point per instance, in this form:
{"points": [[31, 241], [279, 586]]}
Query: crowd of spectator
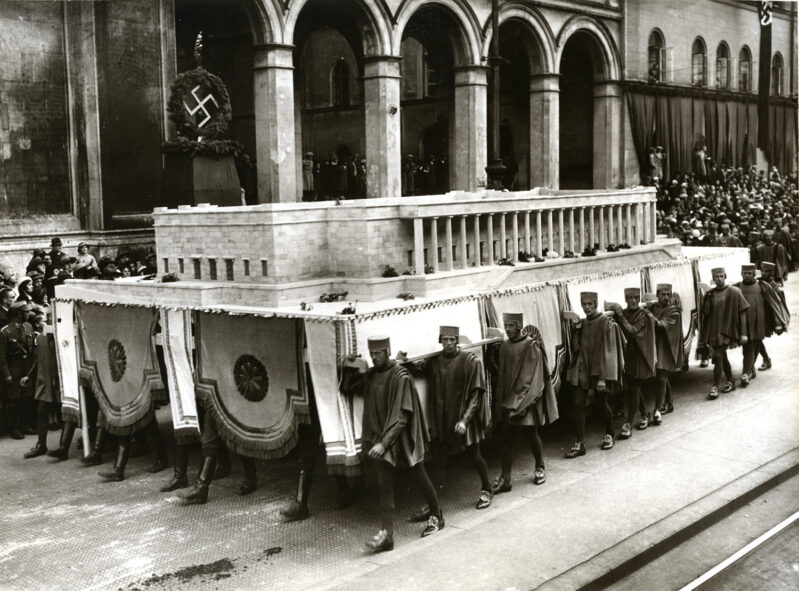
{"points": [[48, 268], [732, 207]]}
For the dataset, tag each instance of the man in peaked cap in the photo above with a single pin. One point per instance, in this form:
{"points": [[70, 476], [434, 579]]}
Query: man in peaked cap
{"points": [[724, 327], [771, 252], [16, 357], [669, 342], [638, 327], [523, 397], [597, 368], [394, 434], [765, 316], [458, 407]]}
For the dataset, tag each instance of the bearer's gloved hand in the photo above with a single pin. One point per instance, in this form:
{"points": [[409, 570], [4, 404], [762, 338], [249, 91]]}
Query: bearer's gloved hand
{"points": [[601, 386], [377, 451], [401, 356], [460, 428]]}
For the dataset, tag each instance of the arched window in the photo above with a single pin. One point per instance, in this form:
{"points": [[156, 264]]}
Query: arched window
{"points": [[745, 70], [340, 84], [777, 72], [698, 63], [723, 66], [657, 56]]}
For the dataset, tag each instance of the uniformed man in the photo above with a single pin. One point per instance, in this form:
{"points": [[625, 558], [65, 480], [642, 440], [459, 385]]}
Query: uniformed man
{"points": [[669, 339], [638, 327], [16, 358], [458, 408], [394, 435], [724, 327], [596, 368], [765, 316], [524, 399], [44, 374], [771, 252], [767, 276]]}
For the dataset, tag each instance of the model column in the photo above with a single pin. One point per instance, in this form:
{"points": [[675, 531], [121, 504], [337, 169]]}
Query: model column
{"points": [[471, 120], [381, 88], [544, 130]]}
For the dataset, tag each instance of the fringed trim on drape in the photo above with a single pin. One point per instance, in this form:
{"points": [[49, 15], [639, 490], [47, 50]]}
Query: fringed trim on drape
{"points": [[186, 436], [124, 426], [70, 415], [127, 429]]}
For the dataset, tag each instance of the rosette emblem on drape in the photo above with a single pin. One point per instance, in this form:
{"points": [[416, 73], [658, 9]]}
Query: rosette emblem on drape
{"points": [[118, 363], [249, 377]]}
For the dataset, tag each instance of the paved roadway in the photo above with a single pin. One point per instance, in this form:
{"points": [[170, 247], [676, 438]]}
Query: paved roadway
{"points": [[62, 529]]}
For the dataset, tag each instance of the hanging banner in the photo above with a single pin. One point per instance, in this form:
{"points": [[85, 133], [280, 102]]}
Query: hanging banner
{"points": [[250, 379], [67, 356], [177, 343], [340, 432], [541, 309], [118, 363], [681, 278]]}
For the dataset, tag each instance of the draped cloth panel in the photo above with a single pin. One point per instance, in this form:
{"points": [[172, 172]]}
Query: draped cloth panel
{"points": [[709, 258], [663, 135], [118, 362], [610, 288], [250, 380], [541, 309], [681, 277], [642, 121], [66, 340], [177, 339], [341, 433]]}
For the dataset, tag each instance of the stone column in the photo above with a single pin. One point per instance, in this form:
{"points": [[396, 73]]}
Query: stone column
{"points": [[527, 235], [571, 229], [464, 251], [503, 237], [538, 245], [607, 134], [470, 152], [418, 246], [515, 225], [273, 95], [602, 242], [591, 235], [434, 244], [653, 220], [582, 229], [448, 247], [561, 239], [544, 130], [477, 260], [490, 239], [550, 234], [381, 95]]}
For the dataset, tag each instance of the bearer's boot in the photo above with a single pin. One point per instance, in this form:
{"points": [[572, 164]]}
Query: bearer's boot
{"points": [[36, 451], [198, 494], [179, 477], [250, 482], [95, 457], [298, 510], [117, 472], [223, 467], [62, 452], [154, 433]]}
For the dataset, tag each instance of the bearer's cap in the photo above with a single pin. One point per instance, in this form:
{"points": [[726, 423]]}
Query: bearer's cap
{"points": [[747, 267], [632, 291], [511, 317], [718, 271], [379, 343], [663, 287], [769, 232], [448, 331], [766, 266], [754, 235], [589, 296], [18, 308]]}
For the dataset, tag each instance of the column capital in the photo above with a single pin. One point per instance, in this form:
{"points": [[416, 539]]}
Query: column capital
{"points": [[607, 88], [471, 76], [546, 82], [273, 55]]}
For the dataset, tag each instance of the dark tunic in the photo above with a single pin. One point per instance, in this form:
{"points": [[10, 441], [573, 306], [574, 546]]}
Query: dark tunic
{"points": [[392, 415], [45, 370], [598, 353], [640, 353], [721, 310], [774, 253], [669, 338], [756, 313], [457, 392], [523, 384], [16, 357]]}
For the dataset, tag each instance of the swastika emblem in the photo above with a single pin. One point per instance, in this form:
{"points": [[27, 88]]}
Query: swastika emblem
{"points": [[200, 105]]}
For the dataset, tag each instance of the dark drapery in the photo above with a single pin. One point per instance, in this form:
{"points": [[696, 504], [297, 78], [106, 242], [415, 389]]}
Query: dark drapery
{"points": [[663, 134], [642, 120]]}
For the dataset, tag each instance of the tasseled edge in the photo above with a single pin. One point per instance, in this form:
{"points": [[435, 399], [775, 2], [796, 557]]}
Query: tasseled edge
{"points": [[70, 415], [131, 428], [258, 449], [186, 436]]}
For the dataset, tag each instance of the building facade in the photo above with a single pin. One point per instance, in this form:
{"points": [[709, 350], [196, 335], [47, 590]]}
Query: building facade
{"points": [[380, 98]]}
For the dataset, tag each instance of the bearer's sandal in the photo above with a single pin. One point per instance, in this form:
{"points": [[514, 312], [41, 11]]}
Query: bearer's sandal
{"points": [[578, 449], [422, 514], [540, 475], [714, 393], [626, 431], [728, 387], [500, 485], [607, 441], [435, 523], [485, 498], [382, 542]]}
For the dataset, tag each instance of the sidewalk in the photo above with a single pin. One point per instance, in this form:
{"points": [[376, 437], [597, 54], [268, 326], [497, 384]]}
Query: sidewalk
{"points": [[61, 529]]}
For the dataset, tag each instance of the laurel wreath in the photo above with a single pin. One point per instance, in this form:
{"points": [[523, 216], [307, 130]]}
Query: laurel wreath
{"points": [[185, 124]]}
